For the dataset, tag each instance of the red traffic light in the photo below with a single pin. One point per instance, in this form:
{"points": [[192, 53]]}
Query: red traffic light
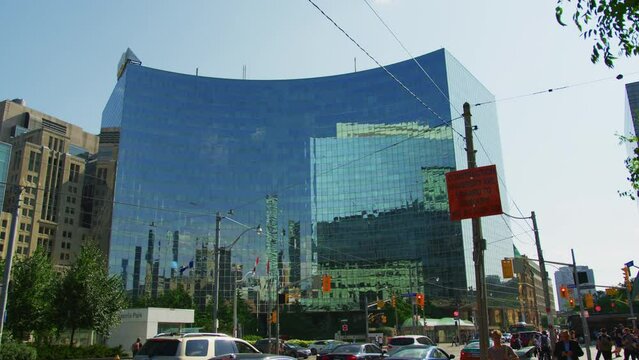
{"points": [[597, 308], [456, 313]]}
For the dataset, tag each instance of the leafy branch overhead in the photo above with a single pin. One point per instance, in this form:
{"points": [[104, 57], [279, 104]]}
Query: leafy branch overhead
{"points": [[613, 26], [632, 165]]}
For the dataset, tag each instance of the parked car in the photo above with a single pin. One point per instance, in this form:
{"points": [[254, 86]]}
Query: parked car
{"points": [[247, 356], [398, 342], [330, 347], [471, 350], [366, 351], [317, 345], [420, 352], [192, 346], [295, 351]]}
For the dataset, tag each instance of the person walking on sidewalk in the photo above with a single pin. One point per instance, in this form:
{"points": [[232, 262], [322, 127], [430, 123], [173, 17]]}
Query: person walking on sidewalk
{"points": [[137, 345], [499, 351], [567, 349]]}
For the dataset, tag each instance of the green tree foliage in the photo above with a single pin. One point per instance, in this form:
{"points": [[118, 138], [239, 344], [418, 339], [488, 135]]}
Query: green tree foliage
{"points": [[613, 26], [88, 298], [33, 284], [17, 351], [632, 165]]}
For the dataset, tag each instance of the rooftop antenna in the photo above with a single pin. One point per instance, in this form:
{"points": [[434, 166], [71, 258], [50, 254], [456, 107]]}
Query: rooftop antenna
{"points": [[243, 72], [355, 63]]}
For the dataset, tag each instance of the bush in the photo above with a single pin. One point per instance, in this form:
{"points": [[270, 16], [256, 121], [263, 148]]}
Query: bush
{"points": [[251, 338], [59, 352], [302, 343], [14, 351]]}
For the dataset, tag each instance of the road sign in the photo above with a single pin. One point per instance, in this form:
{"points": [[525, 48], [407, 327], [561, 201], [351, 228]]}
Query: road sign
{"points": [[409, 295], [473, 193], [345, 327], [571, 286]]}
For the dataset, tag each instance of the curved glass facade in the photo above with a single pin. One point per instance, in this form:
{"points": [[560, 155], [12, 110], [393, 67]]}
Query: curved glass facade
{"points": [[344, 173]]}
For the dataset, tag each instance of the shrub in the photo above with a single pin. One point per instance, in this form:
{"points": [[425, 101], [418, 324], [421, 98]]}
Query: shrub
{"points": [[251, 338], [59, 352], [15, 351]]}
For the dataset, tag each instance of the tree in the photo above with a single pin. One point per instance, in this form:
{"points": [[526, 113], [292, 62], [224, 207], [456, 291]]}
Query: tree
{"points": [[30, 306], [632, 165], [88, 298], [613, 25]]}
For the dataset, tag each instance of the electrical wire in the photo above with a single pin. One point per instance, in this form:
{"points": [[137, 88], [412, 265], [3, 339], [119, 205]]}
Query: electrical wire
{"points": [[411, 56]]}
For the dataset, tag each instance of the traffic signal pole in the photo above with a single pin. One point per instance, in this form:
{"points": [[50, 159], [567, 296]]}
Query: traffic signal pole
{"points": [[584, 321], [544, 281], [479, 245]]}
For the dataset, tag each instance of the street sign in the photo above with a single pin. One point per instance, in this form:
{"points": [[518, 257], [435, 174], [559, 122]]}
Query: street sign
{"points": [[630, 263], [345, 327], [473, 193], [409, 295], [571, 286]]}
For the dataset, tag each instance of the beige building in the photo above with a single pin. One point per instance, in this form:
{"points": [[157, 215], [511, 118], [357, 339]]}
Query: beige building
{"points": [[49, 163], [531, 290]]}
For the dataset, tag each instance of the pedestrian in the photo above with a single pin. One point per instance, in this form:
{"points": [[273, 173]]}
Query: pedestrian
{"points": [[499, 351], [544, 346], [137, 345], [604, 345], [629, 345], [515, 342], [455, 340], [566, 348]]}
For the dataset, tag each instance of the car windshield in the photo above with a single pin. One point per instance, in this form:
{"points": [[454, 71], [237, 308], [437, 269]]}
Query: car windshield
{"points": [[160, 347], [333, 345], [293, 346], [348, 349], [414, 353]]}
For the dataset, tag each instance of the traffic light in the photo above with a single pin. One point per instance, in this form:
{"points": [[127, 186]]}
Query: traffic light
{"points": [[572, 302], [507, 268], [380, 304], [326, 283], [274, 317], [394, 301], [626, 277], [456, 314], [611, 291], [590, 302], [384, 319], [420, 299], [563, 292]]}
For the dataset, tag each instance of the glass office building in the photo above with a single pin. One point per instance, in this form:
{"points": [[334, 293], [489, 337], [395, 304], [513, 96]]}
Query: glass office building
{"points": [[344, 173]]}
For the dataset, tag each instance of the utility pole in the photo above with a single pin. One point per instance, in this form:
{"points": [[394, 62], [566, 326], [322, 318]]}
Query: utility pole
{"points": [[216, 275], [584, 322], [366, 314], [9, 260], [544, 281], [277, 315], [479, 245]]}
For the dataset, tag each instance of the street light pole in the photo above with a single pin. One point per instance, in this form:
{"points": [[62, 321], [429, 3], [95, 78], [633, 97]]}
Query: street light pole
{"points": [[216, 275]]}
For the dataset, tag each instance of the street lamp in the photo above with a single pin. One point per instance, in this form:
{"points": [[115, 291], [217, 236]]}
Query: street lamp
{"points": [[216, 275]]}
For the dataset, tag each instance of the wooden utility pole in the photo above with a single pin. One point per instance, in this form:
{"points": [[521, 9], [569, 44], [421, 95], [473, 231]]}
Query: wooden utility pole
{"points": [[479, 245]]}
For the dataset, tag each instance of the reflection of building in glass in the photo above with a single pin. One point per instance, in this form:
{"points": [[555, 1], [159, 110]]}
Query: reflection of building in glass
{"points": [[351, 166]]}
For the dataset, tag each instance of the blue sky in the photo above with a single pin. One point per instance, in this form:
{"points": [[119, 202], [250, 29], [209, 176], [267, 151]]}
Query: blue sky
{"points": [[561, 156]]}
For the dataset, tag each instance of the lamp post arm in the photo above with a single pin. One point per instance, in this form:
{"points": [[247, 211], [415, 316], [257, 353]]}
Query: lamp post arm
{"points": [[229, 246]]}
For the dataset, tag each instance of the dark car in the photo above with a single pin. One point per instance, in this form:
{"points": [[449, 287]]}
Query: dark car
{"points": [[295, 351], [252, 357], [267, 346], [355, 352], [330, 347], [471, 350], [420, 352]]}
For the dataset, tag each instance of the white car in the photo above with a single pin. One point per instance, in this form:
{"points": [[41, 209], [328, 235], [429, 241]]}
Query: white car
{"points": [[399, 342], [317, 346], [192, 346]]}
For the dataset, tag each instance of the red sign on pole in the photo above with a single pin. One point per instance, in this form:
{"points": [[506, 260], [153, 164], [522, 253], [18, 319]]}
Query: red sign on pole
{"points": [[473, 193], [344, 327]]}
